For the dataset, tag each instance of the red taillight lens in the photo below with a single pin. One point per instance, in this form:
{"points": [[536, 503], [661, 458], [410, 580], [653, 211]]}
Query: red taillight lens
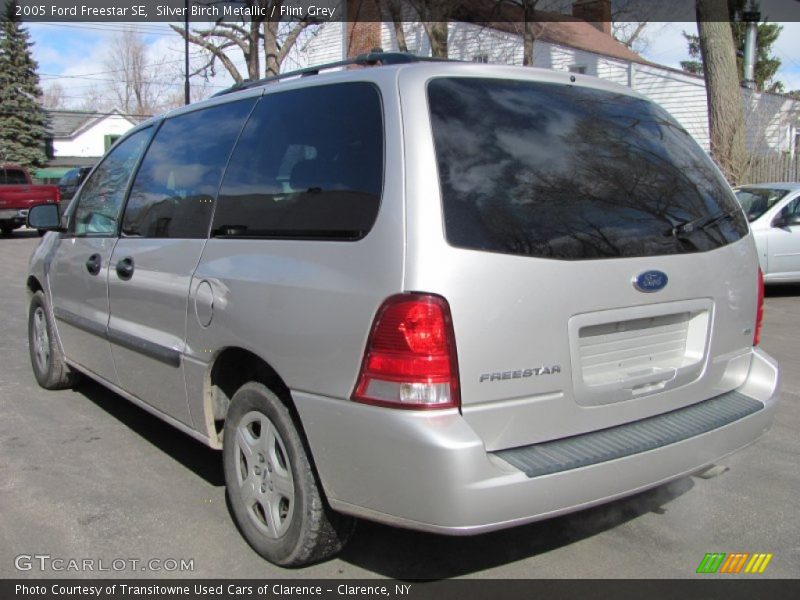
{"points": [[410, 358], [759, 309]]}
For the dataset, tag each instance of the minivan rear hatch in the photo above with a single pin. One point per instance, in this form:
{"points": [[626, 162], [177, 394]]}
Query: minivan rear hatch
{"points": [[596, 262]]}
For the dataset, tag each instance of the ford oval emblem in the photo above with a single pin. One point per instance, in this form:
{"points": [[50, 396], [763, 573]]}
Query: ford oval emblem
{"points": [[650, 281]]}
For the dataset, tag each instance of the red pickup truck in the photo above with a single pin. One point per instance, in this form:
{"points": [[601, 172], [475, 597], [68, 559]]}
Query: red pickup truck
{"points": [[18, 195]]}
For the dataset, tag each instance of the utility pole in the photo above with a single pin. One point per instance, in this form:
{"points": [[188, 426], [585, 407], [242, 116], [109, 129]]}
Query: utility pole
{"points": [[186, 95]]}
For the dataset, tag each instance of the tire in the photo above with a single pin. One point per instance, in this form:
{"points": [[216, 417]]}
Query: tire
{"points": [[49, 367], [6, 230], [41, 232], [272, 490]]}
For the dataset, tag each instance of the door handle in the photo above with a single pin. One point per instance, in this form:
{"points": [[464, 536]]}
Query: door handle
{"points": [[125, 268], [93, 264]]}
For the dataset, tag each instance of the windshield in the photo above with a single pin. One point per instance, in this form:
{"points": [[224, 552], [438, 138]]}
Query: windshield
{"points": [[572, 173], [757, 201]]}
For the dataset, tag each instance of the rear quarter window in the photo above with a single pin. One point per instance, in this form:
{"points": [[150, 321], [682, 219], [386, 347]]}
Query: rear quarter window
{"points": [[308, 165], [572, 173]]}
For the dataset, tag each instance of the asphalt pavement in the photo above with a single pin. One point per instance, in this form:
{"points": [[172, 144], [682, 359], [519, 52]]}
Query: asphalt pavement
{"points": [[85, 475]]}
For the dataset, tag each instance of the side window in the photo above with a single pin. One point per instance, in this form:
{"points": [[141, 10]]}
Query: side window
{"points": [[793, 208], [174, 191], [100, 202], [309, 164]]}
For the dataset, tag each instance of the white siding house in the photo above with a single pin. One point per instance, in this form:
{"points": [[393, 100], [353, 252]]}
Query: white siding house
{"points": [[86, 135], [773, 120], [570, 44]]}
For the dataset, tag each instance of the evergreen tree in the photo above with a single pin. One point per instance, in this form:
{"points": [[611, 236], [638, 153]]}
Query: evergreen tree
{"points": [[23, 121], [766, 65]]}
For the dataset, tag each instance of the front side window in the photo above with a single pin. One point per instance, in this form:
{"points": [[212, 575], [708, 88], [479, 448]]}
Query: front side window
{"points": [[791, 209], [176, 186], [100, 203], [309, 165], [756, 201], [567, 172]]}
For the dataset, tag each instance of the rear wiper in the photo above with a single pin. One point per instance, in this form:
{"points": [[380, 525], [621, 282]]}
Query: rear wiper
{"points": [[701, 223]]}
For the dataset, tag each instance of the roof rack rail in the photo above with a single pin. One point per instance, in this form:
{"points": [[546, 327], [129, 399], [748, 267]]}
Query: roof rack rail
{"points": [[374, 58]]}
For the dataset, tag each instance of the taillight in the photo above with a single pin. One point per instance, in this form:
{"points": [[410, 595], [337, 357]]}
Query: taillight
{"points": [[410, 358], [759, 309]]}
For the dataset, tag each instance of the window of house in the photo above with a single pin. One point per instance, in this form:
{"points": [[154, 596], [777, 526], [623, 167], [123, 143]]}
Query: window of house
{"points": [[580, 69], [480, 58], [110, 140], [174, 191]]}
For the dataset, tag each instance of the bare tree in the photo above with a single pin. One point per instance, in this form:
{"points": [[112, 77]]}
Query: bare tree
{"points": [[53, 96], [528, 8], [435, 15], [265, 32], [725, 111], [395, 10], [631, 20], [94, 100], [140, 87]]}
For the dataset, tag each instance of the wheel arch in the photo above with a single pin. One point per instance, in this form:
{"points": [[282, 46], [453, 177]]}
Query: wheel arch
{"points": [[229, 370], [33, 285]]}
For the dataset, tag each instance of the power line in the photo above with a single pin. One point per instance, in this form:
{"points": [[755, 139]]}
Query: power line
{"points": [[147, 82], [100, 27]]}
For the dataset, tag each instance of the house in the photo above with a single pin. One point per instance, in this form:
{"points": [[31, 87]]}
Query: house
{"points": [[578, 43], [80, 138]]}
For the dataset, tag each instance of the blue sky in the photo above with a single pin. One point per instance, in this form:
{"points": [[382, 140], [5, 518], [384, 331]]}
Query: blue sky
{"points": [[75, 54]]}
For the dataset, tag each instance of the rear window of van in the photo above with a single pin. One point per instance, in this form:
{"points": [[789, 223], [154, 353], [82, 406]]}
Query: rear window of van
{"points": [[566, 172]]}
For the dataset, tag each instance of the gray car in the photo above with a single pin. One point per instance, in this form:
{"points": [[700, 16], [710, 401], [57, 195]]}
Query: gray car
{"points": [[448, 297]]}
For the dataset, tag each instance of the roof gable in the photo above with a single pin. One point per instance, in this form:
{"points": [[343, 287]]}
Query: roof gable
{"points": [[69, 123], [554, 28]]}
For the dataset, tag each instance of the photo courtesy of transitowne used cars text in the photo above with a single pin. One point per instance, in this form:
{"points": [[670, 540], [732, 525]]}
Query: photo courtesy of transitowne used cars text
{"points": [[444, 296]]}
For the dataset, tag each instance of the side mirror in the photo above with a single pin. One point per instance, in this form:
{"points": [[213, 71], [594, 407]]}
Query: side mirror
{"points": [[45, 217], [786, 220]]}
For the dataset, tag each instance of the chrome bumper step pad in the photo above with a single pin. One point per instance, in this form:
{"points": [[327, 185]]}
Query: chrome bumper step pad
{"points": [[632, 438]]}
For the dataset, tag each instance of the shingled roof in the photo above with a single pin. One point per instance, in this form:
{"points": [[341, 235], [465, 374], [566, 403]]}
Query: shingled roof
{"points": [[63, 123], [555, 28], [67, 123]]}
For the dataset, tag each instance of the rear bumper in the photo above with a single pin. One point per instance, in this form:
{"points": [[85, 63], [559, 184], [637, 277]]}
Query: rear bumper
{"points": [[14, 215], [431, 471]]}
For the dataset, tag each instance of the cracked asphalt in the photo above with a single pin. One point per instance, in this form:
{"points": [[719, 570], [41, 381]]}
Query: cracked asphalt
{"points": [[84, 474]]}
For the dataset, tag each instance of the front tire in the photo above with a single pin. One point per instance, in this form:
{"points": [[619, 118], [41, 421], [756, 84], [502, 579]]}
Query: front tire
{"points": [[49, 367], [273, 493]]}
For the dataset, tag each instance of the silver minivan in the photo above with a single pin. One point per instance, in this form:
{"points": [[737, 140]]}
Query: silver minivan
{"points": [[448, 297]]}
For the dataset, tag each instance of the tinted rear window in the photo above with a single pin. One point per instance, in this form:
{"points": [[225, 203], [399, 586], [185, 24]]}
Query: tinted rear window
{"points": [[565, 172], [309, 164], [14, 177]]}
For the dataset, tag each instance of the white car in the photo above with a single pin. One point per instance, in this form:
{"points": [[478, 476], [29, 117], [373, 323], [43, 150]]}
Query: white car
{"points": [[773, 210]]}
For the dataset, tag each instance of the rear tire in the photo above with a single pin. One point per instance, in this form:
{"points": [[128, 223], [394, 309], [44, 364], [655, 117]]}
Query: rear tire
{"points": [[49, 367], [273, 493], [6, 230]]}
